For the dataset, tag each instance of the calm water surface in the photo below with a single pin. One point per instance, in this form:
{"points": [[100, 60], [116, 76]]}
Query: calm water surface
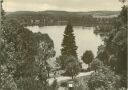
{"points": [[85, 38]]}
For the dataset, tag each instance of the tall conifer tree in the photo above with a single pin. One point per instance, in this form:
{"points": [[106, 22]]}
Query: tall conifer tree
{"points": [[69, 45]]}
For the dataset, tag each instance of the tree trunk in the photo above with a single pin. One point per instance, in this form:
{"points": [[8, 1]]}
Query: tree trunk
{"points": [[48, 74], [72, 77]]}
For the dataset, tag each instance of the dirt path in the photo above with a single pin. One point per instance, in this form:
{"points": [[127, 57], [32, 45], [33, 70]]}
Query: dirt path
{"points": [[65, 78]]}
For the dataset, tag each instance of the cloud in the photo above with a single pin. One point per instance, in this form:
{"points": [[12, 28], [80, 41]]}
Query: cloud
{"points": [[68, 5]]}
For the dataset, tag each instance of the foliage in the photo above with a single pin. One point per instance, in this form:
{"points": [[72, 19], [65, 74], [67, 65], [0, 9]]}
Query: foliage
{"points": [[45, 50], [64, 84], [62, 61], [45, 46], [24, 54], [54, 85], [96, 64], [104, 78], [117, 45], [2, 17], [103, 56], [123, 15], [87, 57], [72, 67], [123, 1], [7, 67], [23, 47], [68, 45], [29, 83], [49, 18], [114, 52]]}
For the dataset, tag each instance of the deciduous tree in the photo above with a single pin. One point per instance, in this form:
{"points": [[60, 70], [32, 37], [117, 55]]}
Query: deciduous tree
{"points": [[72, 67], [87, 57]]}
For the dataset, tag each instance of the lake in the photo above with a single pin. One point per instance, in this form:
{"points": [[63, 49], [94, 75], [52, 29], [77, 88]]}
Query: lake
{"points": [[85, 38]]}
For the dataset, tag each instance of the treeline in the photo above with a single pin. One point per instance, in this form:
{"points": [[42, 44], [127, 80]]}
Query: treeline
{"points": [[49, 18]]}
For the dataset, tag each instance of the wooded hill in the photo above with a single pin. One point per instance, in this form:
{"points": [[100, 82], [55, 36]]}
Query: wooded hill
{"points": [[51, 17], [64, 13]]}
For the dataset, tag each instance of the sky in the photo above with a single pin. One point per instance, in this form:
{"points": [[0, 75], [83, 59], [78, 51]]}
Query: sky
{"points": [[66, 5]]}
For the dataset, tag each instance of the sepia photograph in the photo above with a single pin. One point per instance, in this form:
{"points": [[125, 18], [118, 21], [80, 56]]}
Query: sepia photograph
{"points": [[63, 44]]}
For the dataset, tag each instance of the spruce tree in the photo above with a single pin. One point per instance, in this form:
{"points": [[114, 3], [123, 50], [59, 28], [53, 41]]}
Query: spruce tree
{"points": [[69, 45]]}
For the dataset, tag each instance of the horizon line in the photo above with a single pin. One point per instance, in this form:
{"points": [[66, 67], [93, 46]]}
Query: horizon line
{"points": [[61, 10]]}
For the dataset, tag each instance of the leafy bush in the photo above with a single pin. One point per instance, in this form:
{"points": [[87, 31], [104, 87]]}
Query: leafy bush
{"points": [[96, 64], [54, 85], [87, 57], [64, 84], [104, 78], [72, 67]]}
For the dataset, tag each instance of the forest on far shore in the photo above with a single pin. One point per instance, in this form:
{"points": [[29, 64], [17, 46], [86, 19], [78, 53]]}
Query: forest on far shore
{"points": [[51, 18]]}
